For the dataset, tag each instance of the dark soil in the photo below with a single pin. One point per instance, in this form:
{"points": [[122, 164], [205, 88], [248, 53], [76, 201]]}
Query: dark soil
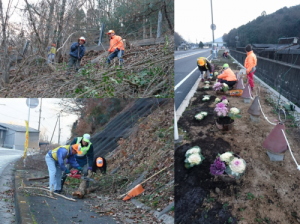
{"points": [[199, 101], [225, 120], [203, 90], [193, 185]]}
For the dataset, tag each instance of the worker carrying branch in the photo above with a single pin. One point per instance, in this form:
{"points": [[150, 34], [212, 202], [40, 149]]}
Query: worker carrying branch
{"points": [[250, 65], [204, 66], [77, 51], [55, 162], [116, 48], [51, 53], [227, 76]]}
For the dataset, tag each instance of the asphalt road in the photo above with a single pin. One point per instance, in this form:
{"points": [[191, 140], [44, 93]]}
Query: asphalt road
{"points": [[186, 72], [7, 159]]}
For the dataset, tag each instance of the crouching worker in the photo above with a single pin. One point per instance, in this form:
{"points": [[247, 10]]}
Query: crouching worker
{"points": [[225, 54], [204, 66], [99, 164], [55, 162], [227, 76], [116, 48]]}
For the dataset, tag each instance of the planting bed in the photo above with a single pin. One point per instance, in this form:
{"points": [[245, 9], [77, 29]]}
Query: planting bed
{"points": [[269, 192]]}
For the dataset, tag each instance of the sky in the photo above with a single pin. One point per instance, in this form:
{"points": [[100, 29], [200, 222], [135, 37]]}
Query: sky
{"points": [[193, 17], [15, 111]]}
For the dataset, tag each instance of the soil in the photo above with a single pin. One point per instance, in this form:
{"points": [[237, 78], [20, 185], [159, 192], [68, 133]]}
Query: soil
{"points": [[225, 120], [267, 193], [192, 186]]}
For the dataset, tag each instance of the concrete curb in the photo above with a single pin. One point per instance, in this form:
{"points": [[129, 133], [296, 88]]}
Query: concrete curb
{"points": [[22, 210], [159, 215]]}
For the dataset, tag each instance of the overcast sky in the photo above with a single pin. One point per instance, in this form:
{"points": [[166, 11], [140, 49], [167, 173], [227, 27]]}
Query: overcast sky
{"points": [[15, 111], [193, 17]]}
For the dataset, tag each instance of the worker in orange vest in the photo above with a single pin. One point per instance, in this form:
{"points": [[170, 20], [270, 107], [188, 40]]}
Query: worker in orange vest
{"points": [[227, 76], [116, 48], [250, 65]]}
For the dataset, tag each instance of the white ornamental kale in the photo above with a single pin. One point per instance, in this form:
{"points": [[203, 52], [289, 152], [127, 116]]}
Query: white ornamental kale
{"points": [[204, 113], [225, 101], [217, 100], [206, 98], [206, 82], [225, 85], [199, 116], [234, 110], [237, 165], [194, 159], [193, 151], [226, 157]]}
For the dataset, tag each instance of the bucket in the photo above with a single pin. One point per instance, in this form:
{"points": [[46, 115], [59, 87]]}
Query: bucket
{"points": [[224, 127]]}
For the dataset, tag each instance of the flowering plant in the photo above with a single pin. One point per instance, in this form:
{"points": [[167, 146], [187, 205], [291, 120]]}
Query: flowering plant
{"points": [[225, 102], [216, 74], [225, 87], [200, 115], [206, 98], [206, 86], [235, 167], [218, 86], [217, 100], [193, 157], [207, 82], [221, 109], [234, 113]]}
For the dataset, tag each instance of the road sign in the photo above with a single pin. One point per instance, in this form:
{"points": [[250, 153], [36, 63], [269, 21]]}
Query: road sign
{"points": [[34, 102], [213, 26]]}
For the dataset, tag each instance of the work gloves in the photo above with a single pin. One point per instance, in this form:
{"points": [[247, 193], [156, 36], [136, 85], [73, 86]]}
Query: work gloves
{"points": [[67, 171], [79, 168]]}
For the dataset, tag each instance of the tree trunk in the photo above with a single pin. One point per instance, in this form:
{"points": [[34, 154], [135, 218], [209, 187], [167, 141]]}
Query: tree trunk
{"points": [[159, 24], [5, 72], [82, 189], [167, 17], [60, 28], [151, 35], [49, 24]]}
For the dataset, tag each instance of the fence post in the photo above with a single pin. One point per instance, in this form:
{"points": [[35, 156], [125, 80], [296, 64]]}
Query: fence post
{"points": [[176, 136]]}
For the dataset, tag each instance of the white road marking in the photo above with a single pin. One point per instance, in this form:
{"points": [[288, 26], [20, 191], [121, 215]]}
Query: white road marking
{"points": [[187, 55]]}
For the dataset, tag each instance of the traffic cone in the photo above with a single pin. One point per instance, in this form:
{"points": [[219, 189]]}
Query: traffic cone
{"points": [[138, 189], [240, 84], [254, 110], [275, 143], [246, 94]]}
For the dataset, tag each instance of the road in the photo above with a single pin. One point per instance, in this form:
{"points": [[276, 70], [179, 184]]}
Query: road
{"points": [[186, 72], [7, 156]]}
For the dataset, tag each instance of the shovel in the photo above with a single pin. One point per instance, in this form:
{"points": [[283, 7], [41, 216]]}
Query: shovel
{"points": [[138, 189]]}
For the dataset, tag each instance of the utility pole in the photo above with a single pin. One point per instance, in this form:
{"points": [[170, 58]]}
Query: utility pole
{"points": [[58, 128], [40, 115], [53, 131], [212, 21]]}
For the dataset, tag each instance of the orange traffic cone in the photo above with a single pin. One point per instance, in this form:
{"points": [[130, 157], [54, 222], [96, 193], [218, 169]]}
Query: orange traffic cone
{"points": [[138, 189]]}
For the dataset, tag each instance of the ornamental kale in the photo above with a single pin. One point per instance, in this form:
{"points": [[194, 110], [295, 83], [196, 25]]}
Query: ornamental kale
{"points": [[218, 167], [221, 109]]}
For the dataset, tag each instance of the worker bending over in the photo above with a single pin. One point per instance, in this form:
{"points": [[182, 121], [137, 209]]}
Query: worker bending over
{"points": [[204, 66]]}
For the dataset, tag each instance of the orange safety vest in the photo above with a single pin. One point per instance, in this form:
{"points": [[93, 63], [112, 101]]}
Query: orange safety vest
{"points": [[116, 42], [227, 75]]}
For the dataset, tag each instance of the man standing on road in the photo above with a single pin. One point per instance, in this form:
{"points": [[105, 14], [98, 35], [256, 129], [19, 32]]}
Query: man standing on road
{"points": [[85, 156], [76, 53], [116, 48], [250, 65], [204, 66]]}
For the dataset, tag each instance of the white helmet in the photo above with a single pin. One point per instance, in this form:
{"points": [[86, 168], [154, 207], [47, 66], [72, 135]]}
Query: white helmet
{"points": [[82, 38], [86, 138]]}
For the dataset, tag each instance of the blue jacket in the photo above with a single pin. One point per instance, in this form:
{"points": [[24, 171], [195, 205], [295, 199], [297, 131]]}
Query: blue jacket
{"points": [[61, 155], [74, 50], [82, 160]]}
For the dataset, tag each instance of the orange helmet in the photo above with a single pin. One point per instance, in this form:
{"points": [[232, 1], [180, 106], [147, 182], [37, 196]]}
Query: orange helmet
{"points": [[201, 62], [99, 162], [53, 45], [77, 148], [110, 31]]}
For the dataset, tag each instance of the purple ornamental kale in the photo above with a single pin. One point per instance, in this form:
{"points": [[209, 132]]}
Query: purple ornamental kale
{"points": [[223, 98], [221, 109], [218, 86], [218, 167]]}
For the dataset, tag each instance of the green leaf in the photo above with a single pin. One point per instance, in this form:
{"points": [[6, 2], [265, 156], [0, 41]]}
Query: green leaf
{"points": [[238, 116]]}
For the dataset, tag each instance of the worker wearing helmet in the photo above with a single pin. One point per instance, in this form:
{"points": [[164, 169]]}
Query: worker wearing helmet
{"points": [[227, 76], [55, 162], [85, 157], [116, 48], [51, 53], [76, 53], [204, 66], [99, 164]]}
